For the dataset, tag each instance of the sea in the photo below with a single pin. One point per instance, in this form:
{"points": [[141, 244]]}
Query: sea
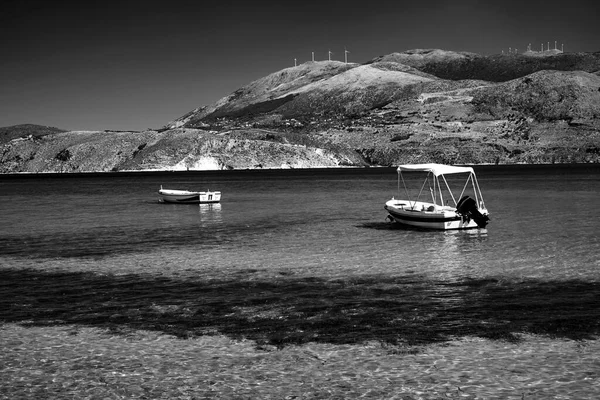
{"points": [[545, 225]]}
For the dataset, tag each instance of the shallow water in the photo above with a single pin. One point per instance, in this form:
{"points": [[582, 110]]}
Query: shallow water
{"points": [[302, 261], [322, 223]]}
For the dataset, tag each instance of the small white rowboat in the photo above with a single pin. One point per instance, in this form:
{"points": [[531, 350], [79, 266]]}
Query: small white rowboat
{"points": [[187, 196]]}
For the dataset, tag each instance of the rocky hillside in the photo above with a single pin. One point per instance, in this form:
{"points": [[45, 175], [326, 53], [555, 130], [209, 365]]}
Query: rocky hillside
{"points": [[416, 106], [176, 149], [496, 68]]}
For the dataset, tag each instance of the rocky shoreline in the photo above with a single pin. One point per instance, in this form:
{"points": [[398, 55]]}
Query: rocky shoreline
{"points": [[506, 141]]}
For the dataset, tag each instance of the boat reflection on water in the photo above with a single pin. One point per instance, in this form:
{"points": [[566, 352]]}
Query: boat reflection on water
{"points": [[452, 250], [210, 212]]}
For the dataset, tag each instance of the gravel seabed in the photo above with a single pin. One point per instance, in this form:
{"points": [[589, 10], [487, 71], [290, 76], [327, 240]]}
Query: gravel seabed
{"points": [[68, 362]]}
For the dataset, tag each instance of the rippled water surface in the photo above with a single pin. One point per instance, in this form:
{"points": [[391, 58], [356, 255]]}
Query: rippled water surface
{"points": [[545, 224]]}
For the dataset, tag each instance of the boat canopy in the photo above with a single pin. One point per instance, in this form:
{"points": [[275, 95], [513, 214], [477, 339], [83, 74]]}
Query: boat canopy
{"points": [[436, 169]]}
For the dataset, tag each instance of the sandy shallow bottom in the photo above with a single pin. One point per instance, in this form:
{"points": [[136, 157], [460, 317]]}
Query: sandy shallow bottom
{"points": [[89, 363]]}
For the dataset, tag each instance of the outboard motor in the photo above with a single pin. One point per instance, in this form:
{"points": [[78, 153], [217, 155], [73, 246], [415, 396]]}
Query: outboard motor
{"points": [[467, 207]]}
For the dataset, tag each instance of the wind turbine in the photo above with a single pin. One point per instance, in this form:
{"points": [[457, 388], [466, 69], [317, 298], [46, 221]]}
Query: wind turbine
{"points": [[346, 55], [330, 53], [313, 56]]}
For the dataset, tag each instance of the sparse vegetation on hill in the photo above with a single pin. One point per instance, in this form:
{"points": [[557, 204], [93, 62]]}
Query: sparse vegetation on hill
{"points": [[545, 96], [26, 130], [495, 68], [416, 106]]}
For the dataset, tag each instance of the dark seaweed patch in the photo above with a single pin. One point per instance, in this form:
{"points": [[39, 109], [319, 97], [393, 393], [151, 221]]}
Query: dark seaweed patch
{"points": [[287, 310]]}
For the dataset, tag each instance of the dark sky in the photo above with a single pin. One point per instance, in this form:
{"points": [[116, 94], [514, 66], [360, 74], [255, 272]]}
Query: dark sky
{"points": [[130, 65]]}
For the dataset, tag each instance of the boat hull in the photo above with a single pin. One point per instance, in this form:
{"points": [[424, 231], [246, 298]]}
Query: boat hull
{"points": [[187, 197], [427, 216]]}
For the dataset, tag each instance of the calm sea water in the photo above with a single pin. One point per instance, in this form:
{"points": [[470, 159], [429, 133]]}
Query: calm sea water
{"points": [[545, 224]]}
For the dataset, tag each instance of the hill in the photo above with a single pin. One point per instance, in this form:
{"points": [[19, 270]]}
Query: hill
{"points": [[265, 94], [436, 105], [331, 87], [415, 106]]}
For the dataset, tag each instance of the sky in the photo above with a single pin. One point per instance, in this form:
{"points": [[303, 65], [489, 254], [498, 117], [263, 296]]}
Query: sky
{"points": [[135, 65]]}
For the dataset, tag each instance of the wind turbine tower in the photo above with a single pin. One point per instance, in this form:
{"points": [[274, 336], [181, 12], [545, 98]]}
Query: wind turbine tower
{"points": [[313, 56], [346, 55], [330, 53]]}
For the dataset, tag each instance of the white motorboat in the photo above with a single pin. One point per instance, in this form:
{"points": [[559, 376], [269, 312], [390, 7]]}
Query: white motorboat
{"points": [[468, 212], [187, 196]]}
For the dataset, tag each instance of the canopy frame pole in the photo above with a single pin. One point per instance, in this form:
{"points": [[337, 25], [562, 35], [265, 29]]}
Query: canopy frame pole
{"points": [[440, 190], [480, 202], [404, 183], [421, 191], [449, 190], [474, 189], [465, 187]]}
